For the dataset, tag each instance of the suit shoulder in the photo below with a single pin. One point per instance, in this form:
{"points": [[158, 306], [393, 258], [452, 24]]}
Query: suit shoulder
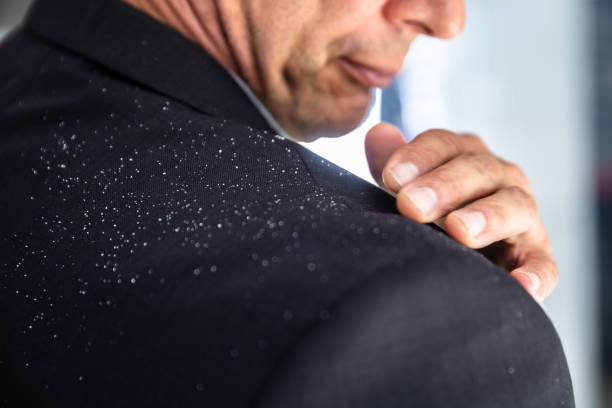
{"points": [[441, 320]]}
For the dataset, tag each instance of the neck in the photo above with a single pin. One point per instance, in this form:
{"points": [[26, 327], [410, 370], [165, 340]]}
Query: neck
{"points": [[219, 27]]}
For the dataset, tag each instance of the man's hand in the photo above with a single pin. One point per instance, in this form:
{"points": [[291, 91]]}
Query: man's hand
{"points": [[479, 199]]}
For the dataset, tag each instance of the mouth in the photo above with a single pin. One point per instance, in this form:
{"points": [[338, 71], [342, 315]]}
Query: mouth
{"points": [[366, 75]]}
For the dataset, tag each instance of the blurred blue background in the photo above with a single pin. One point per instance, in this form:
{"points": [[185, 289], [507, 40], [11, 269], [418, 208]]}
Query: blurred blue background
{"points": [[534, 80]]}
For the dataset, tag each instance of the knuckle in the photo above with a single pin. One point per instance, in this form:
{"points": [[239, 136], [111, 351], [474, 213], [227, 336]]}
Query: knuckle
{"points": [[436, 132], [430, 148], [448, 186], [498, 215], [526, 202], [474, 140], [486, 161], [441, 136], [486, 165], [521, 194], [525, 198], [516, 174]]}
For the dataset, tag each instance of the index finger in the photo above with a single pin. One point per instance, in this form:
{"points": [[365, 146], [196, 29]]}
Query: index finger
{"points": [[425, 152]]}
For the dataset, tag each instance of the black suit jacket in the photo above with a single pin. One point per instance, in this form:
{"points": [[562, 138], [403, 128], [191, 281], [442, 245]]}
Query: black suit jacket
{"points": [[161, 246]]}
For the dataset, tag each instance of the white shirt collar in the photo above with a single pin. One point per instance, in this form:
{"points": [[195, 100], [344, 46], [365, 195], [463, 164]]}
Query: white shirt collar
{"points": [[261, 108]]}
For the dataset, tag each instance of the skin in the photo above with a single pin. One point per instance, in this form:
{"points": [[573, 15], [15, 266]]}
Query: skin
{"points": [[294, 56]]}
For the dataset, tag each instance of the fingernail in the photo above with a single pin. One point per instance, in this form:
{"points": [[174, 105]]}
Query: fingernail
{"points": [[529, 280], [404, 173], [475, 221], [423, 198]]}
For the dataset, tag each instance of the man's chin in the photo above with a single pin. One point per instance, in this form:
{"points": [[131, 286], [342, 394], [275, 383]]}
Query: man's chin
{"points": [[328, 129], [325, 125]]}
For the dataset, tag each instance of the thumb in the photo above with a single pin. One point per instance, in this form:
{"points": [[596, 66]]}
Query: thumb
{"points": [[380, 143]]}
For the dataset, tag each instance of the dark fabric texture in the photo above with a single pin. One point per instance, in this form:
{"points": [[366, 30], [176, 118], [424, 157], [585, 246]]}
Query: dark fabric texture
{"points": [[160, 246]]}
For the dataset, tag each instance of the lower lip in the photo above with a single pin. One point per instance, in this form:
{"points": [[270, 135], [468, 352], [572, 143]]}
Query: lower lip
{"points": [[366, 76]]}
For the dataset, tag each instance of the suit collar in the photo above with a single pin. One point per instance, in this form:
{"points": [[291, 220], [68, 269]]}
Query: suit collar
{"points": [[134, 45]]}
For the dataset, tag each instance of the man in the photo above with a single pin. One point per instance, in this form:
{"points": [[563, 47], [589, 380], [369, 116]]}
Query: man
{"points": [[161, 246]]}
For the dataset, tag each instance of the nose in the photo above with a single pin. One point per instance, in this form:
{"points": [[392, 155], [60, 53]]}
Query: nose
{"points": [[437, 18]]}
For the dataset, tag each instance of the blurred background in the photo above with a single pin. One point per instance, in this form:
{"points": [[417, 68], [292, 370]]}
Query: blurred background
{"points": [[534, 80]]}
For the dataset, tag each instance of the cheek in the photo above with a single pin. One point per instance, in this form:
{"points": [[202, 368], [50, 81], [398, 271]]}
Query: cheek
{"points": [[332, 99], [347, 13], [354, 18], [310, 89], [306, 61], [327, 30]]}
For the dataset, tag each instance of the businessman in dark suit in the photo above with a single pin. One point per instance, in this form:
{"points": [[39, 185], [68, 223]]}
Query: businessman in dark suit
{"points": [[162, 245]]}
